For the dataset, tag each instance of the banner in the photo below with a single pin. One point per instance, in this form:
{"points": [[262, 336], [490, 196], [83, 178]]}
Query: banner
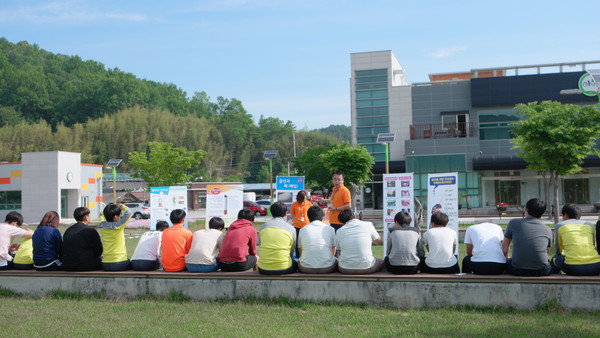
{"points": [[224, 200], [398, 196], [442, 196], [287, 188], [163, 200]]}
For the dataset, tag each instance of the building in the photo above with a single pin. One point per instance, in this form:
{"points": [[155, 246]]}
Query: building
{"points": [[46, 181], [459, 122]]}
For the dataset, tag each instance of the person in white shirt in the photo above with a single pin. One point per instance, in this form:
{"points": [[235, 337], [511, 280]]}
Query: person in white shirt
{"points": [[484, 250], [316, 244], [8, 231], [146, 256], [353, 242], [441, 243], [206, 246]]}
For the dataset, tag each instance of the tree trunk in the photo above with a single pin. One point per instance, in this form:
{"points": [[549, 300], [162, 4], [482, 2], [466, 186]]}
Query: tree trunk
{"points": [[549, 187], [555, 188]]}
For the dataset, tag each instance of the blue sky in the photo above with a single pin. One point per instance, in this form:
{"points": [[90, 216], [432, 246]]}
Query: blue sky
{"points": [[291, 59]]}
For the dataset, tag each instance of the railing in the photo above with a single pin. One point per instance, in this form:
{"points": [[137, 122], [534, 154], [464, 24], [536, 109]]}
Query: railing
{"points": [[442, 130]]}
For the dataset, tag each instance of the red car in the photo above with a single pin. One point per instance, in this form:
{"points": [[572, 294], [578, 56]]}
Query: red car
{"points": [[257, 209]]}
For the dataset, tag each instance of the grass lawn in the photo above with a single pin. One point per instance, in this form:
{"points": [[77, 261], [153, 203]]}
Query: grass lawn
{"points": [[63, 315]]}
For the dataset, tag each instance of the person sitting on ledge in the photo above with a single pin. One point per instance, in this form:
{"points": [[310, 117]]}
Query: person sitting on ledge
{"points": [[574, 243], [10, 229], [531, 242], [24, 256], [47, 243], [82, 246], [484, 250], [316, 244], [441, 243], [238, 250], [146, 256], [176, 243], [353, 242], [206, 245], [277, 243], [404, 246], [112, 232]]}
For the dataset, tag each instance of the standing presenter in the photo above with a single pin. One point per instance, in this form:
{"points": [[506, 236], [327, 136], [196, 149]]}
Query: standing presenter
{"points": [[340, 199]]}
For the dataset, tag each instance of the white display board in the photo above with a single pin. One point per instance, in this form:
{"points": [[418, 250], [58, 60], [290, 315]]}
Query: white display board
{"points": [[224, 200], [398, 196], [442, 196], [163, 200]]}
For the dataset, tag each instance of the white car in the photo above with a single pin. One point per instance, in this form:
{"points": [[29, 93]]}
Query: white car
{"points": [[139, 210]]}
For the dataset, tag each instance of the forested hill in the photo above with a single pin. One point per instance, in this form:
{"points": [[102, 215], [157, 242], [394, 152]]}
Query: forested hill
{"points": [[37, 84], [56, 102]]}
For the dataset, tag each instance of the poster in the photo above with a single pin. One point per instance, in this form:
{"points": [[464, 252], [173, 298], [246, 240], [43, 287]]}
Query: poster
{"points": [[398, 196], [287, 188], [224, 200], [442, 196], [163, 200]]}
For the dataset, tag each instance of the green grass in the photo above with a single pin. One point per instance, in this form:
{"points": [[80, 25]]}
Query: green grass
{"points": [[176, 315]]}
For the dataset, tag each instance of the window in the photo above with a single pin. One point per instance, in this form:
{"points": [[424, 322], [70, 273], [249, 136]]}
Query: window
{"points": [[576, 190], [10, 200], [508, 192], [495, 124]]}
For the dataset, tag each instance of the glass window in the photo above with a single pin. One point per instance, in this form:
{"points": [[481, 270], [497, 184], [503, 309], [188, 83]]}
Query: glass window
{"points": [[378, 111], [364, 103], [380, 102], [369, 86], [364, 111], [508, 192], [379, 94], [363, 95], [363, 140], [364, 131], [10, 200], [495, 124], [576, 190]]}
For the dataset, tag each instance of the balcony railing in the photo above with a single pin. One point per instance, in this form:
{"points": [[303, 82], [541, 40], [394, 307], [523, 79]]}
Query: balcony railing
{"points": [[442, 130]]}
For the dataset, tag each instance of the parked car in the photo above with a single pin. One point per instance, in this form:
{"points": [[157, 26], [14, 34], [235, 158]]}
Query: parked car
{"points": [[257, 209], [139, 210], [264, 203]]}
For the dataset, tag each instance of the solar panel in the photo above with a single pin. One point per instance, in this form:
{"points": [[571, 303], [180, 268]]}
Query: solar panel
{"points": [[113, 163], [386, 137], [595, 74], [270, 154]]}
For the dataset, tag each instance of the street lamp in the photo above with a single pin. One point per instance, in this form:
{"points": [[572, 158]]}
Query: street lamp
{"points": [[385, 139], [270, 155], [113, 164]]}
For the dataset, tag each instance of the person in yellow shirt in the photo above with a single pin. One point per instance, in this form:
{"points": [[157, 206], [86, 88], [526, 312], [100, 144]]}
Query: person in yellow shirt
{"points": [[277, 243], [112, 232], [340, 199], [574, 243]]}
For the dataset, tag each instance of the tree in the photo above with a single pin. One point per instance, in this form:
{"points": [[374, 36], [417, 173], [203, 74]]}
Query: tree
{"points": [[354, 161], [165, 165], [312, 167], [555, 139]]}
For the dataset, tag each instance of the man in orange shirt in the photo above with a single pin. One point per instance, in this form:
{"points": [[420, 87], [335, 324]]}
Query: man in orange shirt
{"points": [[340, 199], [299, 211], [176, 242]]}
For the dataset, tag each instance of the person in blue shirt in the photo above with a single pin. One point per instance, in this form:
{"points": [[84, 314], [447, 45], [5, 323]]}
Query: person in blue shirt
{"points": [[47, 243]]}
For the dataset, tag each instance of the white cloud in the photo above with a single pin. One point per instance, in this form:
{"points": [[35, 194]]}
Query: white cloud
{"points": [[446, 52], [69, 12]]}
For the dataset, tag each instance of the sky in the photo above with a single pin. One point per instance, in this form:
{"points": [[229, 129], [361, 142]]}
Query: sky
{"points": [[291, 59]]}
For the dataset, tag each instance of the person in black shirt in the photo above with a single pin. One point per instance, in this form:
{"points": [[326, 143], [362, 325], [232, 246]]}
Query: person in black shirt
{"points": [[82, 247]]}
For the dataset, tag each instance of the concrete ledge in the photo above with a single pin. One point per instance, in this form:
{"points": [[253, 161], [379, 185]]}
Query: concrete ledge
{"points": [[384, 289]]}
